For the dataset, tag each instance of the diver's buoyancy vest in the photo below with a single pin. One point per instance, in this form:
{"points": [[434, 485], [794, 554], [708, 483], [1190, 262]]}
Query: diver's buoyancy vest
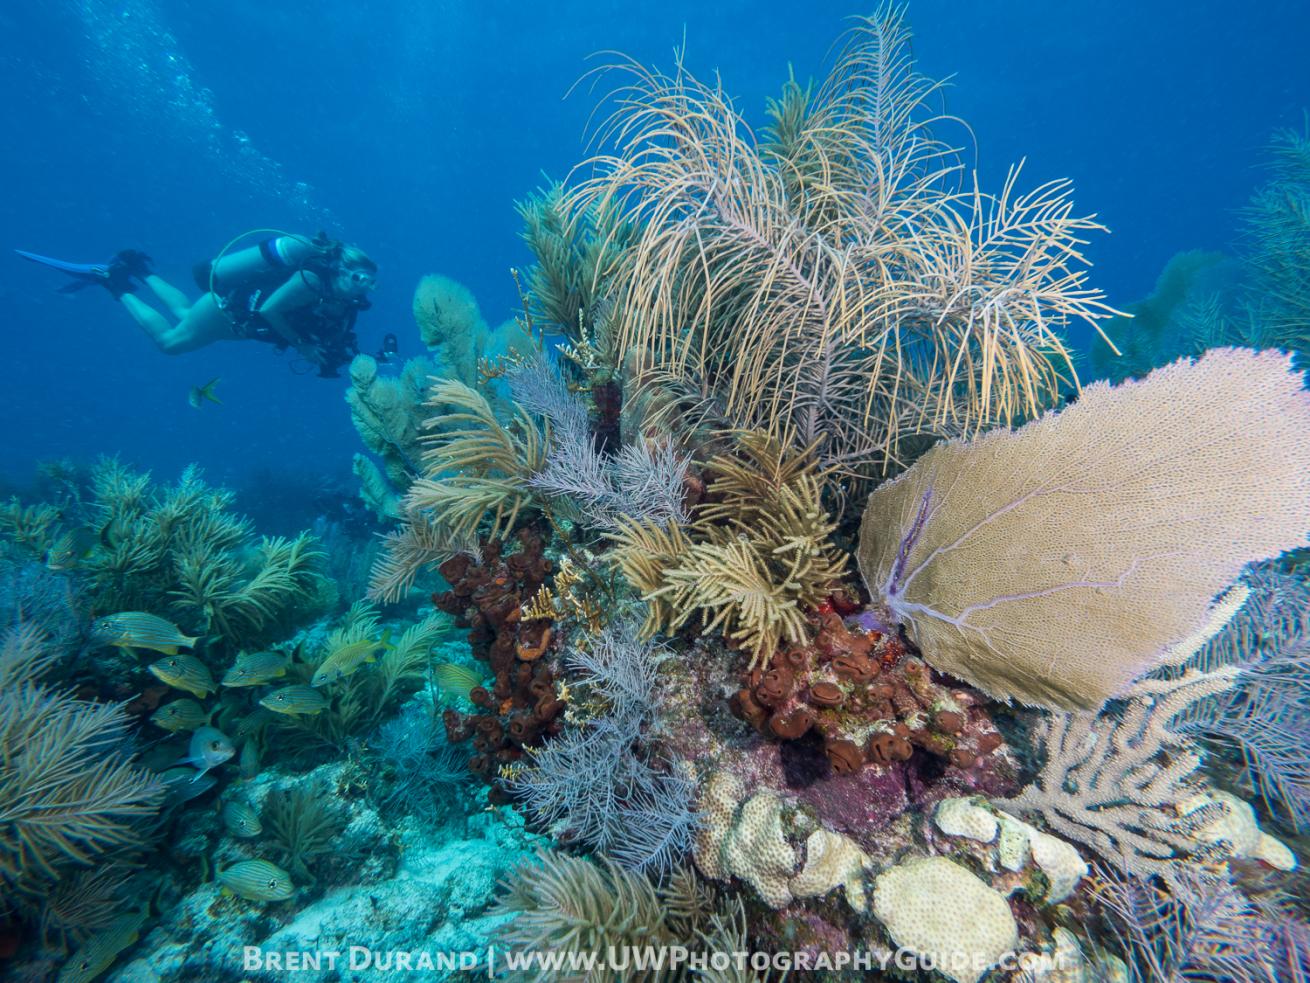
{"points": [[329, 322]]}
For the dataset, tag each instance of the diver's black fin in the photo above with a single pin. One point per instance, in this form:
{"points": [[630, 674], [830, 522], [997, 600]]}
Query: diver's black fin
{"points": [[86, 273], [116, 276]]}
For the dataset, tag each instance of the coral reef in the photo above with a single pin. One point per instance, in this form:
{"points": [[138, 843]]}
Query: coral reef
{"points": [[983, 545], [629, 639]]}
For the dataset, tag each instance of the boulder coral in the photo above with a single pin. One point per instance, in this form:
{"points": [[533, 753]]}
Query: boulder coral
{"points": [[1017, 844], [937, 909], [755, 839]]}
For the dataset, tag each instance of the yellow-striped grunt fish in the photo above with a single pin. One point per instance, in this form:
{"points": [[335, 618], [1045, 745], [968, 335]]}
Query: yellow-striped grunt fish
{"points": [[257, 880], [255, 669], [343, 661], [252, 723], [241, 820], [455, 678], [139, 630], [184, 672], [71, 548], [183, 714], [99, 952], [248, 763], [295, 700]]}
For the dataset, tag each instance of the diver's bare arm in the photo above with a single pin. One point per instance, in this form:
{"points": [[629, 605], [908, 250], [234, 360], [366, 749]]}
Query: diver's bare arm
{"points": [[301, 290]]}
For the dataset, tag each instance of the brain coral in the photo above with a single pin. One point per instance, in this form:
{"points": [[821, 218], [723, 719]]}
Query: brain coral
{"points": [[1056, 563], [939, 910]]}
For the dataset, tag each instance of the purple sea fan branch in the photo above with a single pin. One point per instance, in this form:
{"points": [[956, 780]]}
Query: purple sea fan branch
{"points": [[893, 586]]}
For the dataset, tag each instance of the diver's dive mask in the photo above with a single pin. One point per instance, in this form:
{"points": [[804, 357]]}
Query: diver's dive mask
{"points": [[357, 282]]}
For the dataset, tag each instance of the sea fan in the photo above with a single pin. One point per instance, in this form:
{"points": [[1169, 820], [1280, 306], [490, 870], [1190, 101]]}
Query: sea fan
{"points": [[1118, 519]]}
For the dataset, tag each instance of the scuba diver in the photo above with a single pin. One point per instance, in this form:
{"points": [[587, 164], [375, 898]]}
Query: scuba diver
{"points": [[390, 349], [288, 290]]}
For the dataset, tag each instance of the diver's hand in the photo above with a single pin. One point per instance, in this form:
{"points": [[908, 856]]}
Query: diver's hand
{"points": [[310, 352]]}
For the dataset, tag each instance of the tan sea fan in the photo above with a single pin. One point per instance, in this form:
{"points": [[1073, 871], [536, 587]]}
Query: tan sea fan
{"points": [[1057, 563]]}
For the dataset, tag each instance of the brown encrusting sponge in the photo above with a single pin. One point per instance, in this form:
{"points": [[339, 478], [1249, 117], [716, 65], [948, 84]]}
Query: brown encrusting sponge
{"points": [[869, 700], [522, 707]]}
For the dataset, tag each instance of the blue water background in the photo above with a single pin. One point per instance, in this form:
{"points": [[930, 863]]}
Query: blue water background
{"points": [[410, 128]]}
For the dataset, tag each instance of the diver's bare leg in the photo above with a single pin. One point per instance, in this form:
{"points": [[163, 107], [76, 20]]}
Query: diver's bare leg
{"points": [[154, 323], [203, 324], [175, 300]]}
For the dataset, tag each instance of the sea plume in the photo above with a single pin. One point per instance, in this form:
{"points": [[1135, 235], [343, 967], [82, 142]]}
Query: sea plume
{"points": [[1056, 563], [843, 283], [69, 795]]}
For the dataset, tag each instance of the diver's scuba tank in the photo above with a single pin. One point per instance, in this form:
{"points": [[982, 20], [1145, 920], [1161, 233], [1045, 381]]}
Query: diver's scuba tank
{"points": [[277, 252]]}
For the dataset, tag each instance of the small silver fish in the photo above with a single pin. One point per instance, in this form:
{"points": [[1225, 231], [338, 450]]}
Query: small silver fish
{"points": [[257, 880], [255, 669], [140, 630], [99, 952], [210, 747], [184, 672], [295, 700], [241, 820], [183, 714]]}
